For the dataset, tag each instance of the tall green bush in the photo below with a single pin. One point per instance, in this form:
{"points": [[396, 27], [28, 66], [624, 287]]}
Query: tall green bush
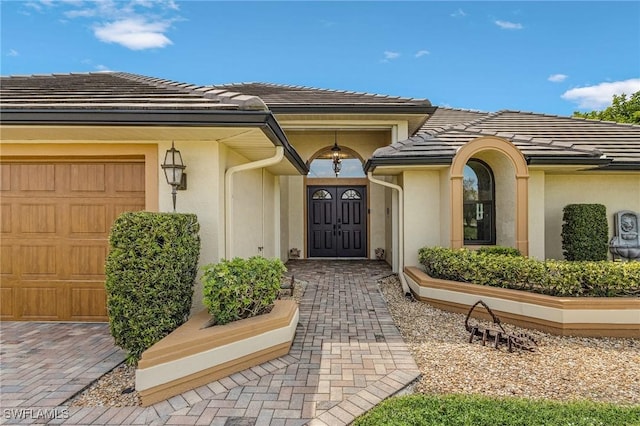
{"points": [[150, 273], [241, 288], [585, 232]]}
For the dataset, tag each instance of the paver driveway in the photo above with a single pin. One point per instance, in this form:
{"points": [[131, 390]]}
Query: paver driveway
{"points": [[346, 357]]}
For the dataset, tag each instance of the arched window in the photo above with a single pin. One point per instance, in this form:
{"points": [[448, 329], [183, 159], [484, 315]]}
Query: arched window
{"points": [[478, 203], [321, 194]]}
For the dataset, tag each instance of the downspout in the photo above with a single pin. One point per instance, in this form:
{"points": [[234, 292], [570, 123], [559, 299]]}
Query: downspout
{"points": [[228, 193], [403, 281]]}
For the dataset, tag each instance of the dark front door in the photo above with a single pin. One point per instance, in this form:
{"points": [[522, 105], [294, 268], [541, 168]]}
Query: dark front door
{"points": [[337, 221]]}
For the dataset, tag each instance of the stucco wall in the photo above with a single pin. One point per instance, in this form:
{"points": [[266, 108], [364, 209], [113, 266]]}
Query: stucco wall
{"points": [[536, 214], [421, 212], [615, 191]]}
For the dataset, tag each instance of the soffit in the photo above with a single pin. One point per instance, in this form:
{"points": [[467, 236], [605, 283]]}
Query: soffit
{"points": [[250, 142]]}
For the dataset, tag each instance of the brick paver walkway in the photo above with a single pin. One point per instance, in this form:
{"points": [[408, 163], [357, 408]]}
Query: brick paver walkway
{"points": [[346, 357]]}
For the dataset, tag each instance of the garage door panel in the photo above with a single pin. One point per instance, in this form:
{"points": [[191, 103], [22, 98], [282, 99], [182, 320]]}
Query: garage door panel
{"points": [[5, 177], [88, 218], [38, 259], [37, 177], [5, 218], [41, 300], [38, 218], [87, 261], [7, 294], [128, 177], [6, 259], [88, 177], [88, 302]]}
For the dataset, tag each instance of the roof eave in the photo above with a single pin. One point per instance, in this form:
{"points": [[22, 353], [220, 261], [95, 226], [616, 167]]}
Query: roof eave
{"points": [[352, 109], [372, 163], [221, 118], [567, 160]]}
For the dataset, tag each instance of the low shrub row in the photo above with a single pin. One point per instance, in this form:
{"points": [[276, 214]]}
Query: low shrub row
{"points": [[551, 277]]}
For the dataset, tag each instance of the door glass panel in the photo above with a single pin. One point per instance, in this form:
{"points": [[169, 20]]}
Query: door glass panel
{"points": [[321, 194], [351, 194], [478, 207]]}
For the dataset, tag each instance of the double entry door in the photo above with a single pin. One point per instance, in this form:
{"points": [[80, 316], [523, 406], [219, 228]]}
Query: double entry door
{"points": [[337, 221]]}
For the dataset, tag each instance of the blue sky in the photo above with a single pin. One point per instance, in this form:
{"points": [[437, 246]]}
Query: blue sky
{"points": [[548, 57]]}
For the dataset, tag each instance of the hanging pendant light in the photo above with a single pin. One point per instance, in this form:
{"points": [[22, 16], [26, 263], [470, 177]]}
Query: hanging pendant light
{"points": [[335, 154]]}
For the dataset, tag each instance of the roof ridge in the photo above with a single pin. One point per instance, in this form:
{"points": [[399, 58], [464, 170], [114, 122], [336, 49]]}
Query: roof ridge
{"points": [[351, 92], [245, 102], [570, 117]]}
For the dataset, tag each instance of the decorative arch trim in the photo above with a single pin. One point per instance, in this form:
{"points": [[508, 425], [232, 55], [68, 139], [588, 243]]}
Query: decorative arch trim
{"points": [[325, 149], [508, 150]]}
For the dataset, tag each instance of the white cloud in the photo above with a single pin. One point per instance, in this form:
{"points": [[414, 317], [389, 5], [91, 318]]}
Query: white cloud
{"points": [[134, 24], [135, 34], [600, 95], [557, 78], [102, 68], [506, 25], [459, 13], [13, 52], [389, 55], [420, 53]]}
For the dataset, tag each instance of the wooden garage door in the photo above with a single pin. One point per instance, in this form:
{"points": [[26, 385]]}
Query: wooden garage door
{"points": [[55, 219]]}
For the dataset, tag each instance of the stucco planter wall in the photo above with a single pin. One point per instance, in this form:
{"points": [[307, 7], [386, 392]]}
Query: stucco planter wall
{"points": [[192, 356], [577, 316]]}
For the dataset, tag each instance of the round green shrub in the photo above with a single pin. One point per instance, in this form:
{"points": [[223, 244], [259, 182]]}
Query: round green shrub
{"points": [[241, 288], [150, 273]]}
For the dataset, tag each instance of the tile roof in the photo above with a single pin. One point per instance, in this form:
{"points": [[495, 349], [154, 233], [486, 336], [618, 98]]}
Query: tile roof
{"points": [[116, 90], [541, 138], [279, 97]]}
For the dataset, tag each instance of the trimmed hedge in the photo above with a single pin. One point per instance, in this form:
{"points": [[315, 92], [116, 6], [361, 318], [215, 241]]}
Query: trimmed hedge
{"points": [[241, 288], [150, 273], [585, 232], [551, 277], [507, 251]]}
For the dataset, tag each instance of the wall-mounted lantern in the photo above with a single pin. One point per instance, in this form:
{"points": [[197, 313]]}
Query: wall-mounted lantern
{"points": [[173, 167]]}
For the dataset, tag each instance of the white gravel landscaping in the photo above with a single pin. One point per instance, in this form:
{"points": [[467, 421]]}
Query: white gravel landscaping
{"points": [[562, 368]]}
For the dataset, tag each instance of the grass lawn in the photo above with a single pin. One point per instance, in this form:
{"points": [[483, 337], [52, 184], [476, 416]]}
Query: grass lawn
{"points": [[419, 409]]}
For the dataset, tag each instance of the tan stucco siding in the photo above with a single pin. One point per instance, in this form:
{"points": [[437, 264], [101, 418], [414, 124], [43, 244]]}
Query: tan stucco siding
{"points": [[615, 191], [421, 212], [376, 219], [537, 214]]}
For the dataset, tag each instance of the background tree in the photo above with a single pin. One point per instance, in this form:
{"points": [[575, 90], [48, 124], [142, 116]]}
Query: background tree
{"points": [[622, 110]]}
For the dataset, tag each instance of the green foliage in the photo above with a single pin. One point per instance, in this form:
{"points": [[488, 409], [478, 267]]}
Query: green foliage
{"points": [[241, 288], [585, 232], [507, 251], [621, 110], [476, 410], [150, 272], [554, 278]]}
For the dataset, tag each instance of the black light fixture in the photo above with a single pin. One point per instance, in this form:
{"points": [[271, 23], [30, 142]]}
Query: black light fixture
{"points": [[173, 167], [335, 155]]}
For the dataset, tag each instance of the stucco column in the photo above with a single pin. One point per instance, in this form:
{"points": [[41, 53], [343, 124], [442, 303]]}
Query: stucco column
{"points": [[457, 231], [522, 211]]}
